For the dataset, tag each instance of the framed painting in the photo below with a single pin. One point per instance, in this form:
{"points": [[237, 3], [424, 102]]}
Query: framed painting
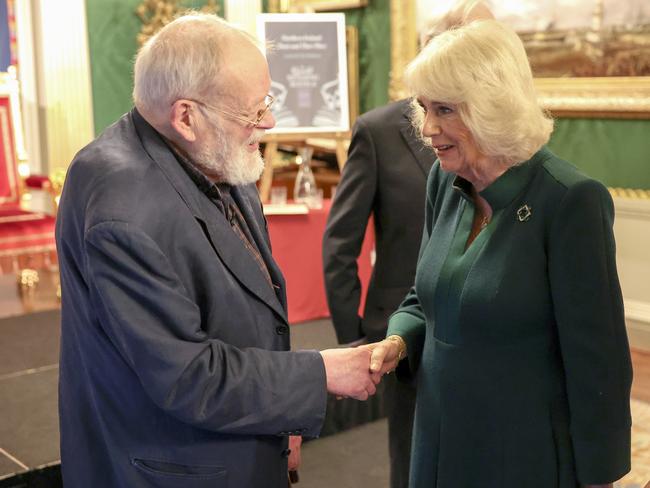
{"points": [[591, 58]]}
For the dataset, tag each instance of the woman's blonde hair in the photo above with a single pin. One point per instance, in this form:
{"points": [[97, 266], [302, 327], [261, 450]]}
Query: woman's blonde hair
{"points": [[461, 12], [483, 69]]}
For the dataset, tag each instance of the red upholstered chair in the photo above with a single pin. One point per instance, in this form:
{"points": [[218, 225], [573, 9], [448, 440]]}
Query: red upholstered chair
{"points": [[26, 237]]}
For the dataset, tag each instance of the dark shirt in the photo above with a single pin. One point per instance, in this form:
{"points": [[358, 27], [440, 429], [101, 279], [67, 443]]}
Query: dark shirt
{"points": [[220, 195]]}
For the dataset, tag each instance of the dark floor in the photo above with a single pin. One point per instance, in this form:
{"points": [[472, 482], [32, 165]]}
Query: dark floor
{"points": [[353, 457], [29, 350], [29, 437]]}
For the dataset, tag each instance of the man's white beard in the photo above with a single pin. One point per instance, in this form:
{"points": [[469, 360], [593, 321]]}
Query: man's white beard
{"points": [[227, 164]]}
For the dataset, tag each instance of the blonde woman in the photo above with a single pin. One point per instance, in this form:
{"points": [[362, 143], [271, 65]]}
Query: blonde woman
{"points": [[515, 326]]}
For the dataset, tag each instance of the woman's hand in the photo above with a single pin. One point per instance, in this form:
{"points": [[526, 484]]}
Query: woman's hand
{"points": [[386, 354]]}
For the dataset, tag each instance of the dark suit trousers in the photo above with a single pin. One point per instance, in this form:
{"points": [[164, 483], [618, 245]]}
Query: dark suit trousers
{"points": [[399, 401]]}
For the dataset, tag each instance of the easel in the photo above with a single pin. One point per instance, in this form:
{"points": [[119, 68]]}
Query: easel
{"points": [[340, 140]]}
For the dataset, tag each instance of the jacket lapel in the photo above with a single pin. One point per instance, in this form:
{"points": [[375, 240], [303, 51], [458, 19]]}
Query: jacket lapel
{"points": [[225, 242], [423, 155], [250, 206], [237, 258]]}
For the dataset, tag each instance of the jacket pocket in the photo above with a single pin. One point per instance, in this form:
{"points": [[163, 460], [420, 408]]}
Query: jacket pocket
{"points": [[169, 474]]}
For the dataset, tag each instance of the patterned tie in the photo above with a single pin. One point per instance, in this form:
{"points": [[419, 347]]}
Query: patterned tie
{"points": [[238, 225]]}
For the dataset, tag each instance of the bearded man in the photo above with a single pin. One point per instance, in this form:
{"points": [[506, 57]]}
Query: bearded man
{"points": [[175, 366]]}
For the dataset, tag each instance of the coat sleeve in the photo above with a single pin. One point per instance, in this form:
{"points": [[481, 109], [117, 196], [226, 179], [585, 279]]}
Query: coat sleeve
{"points": [[409, 321], [150, 319], [343, 238], [591, 329]]}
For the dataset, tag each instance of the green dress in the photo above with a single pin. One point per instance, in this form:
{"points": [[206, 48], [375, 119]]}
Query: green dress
{"points": [[518, 342]]}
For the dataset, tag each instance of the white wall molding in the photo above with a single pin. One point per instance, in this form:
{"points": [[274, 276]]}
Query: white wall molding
{"points": [[243, 14], [637, 319], [28, 85], [63, 77], [638, 311], [635, 208], [632, 232]]}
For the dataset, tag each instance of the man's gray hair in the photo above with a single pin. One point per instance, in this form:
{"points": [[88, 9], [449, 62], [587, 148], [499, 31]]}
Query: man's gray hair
{"points": [[182, 60]]}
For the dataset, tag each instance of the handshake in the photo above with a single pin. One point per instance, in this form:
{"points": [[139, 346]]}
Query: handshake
{"points": [[354, 372]]}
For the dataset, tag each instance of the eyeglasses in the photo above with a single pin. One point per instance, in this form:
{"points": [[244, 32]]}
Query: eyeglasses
{"points": [[250, 123]]}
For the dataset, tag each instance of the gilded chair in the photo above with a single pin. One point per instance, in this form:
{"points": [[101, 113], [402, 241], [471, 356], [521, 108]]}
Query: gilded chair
{"points": [[26, 237]]}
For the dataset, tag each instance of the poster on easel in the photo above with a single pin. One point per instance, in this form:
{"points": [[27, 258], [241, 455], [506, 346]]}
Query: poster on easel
{"points": [[308, 64]]}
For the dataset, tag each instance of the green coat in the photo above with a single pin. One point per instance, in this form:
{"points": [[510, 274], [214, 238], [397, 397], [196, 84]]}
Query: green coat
{"points": [[519, 342]]}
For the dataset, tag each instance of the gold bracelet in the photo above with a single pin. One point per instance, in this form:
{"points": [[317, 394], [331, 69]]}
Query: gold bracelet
{"points": [[401, 352]]}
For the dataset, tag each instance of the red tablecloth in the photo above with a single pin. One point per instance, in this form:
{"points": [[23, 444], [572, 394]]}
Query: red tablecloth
{"points": [[297, 248]]}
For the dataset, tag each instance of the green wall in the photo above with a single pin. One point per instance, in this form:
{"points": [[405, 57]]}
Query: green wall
{"points": [[614, 151], [373, 25], [617, 152], [113, 27], [112, 30]]}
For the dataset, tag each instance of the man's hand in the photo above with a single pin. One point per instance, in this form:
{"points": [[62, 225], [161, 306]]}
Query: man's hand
{"points": [[385, 354], [295, 441], [348, 373]]}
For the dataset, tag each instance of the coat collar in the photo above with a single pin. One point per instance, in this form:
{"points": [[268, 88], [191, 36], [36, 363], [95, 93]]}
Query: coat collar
{"points": [[225, 242], [423, 155], [502, 191]]}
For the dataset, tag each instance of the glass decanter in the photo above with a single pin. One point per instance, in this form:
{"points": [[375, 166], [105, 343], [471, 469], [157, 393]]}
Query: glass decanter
{"points": [[304, 189]]}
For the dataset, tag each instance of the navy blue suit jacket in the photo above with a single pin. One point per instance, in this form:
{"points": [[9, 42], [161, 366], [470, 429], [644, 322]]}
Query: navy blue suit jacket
{"points": [[174, 370]]}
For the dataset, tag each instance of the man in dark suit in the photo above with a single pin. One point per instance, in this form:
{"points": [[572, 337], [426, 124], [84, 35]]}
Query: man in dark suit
{"points": [[175, 369], [384, 177]]}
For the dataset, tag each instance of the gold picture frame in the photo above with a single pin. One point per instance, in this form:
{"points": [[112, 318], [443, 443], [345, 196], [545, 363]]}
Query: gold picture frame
{"points": [[625, 97], [603, 97], [314, 5], [403, 45]]}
